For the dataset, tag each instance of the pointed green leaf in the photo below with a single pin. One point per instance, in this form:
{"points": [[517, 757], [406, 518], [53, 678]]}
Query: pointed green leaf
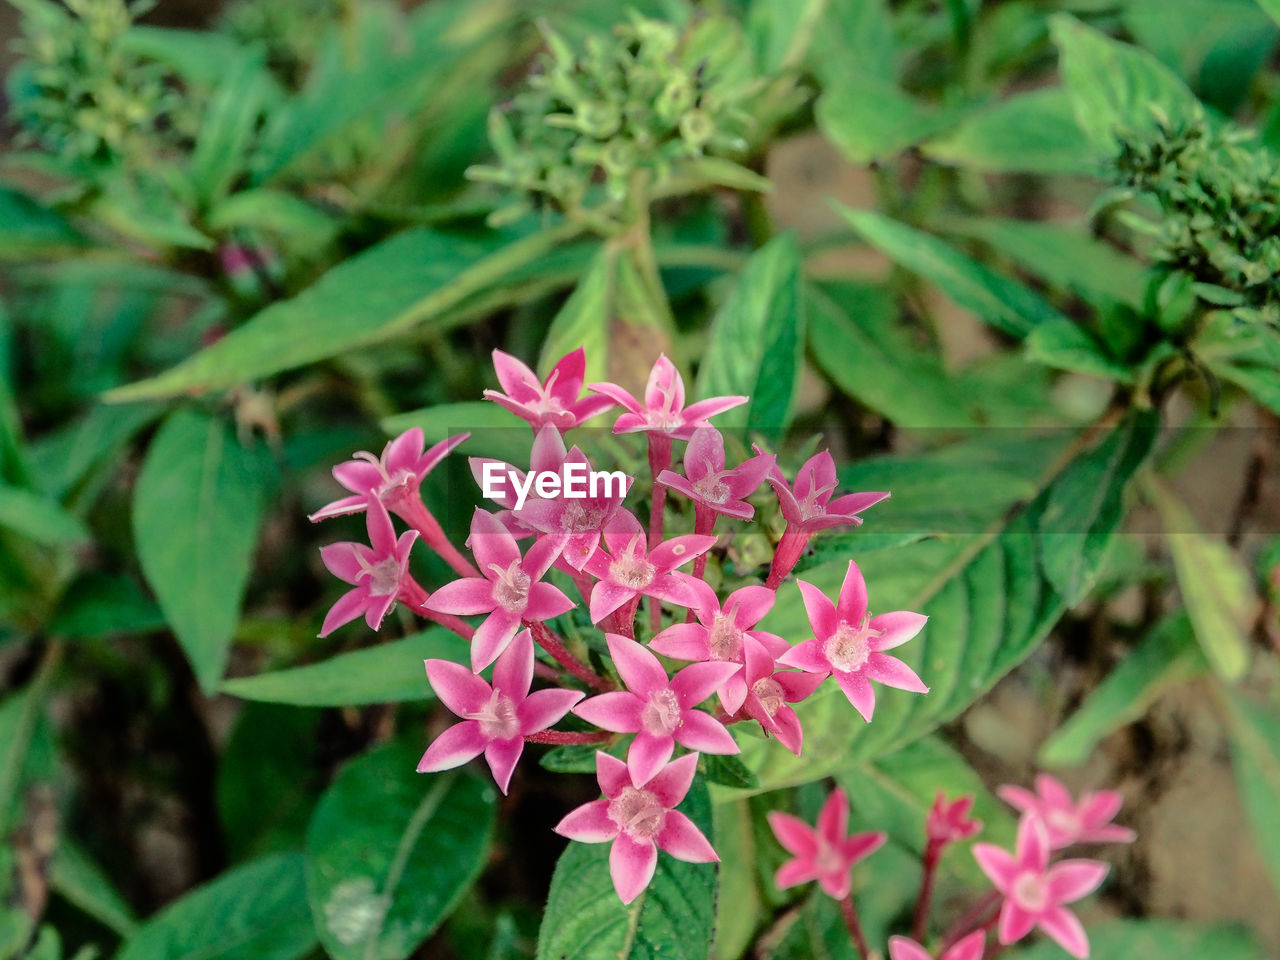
{"points": [[1255, 751]]}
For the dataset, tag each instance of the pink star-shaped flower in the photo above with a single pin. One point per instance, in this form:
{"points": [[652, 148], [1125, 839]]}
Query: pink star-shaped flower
{"points": [[969, 947], [1066, 821], [769, 691], [495, 719], [658, 710], [720, 634], [510, 590], [849, 643], [628, 570], [639, 817], [393, 478], [546, 456], [555, 403], [949, 822], [379, 572], [807, 503], [824, 854], [663, 411], [708, 483], [1034, 892]]}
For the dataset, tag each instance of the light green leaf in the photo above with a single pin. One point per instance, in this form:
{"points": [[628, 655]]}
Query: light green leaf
{"points": [[390, 852], [227, 124], [871, 119], [64, 458], [1163, 939], [275, 211], [738, 903], [673, 918], [39, 518], [28, 229], [1255, 751], [254, 912], [74, 876], [386, 673], [196, 509], [1065, 345], [1272, 7], [584, 321]]}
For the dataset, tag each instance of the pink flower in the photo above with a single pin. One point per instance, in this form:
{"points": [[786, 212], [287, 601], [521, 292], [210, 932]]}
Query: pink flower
{"points": [[663, 411], [949, 822], [509, 591], [708, 483], [769, 691], [721, 633], [554, 403], [1035, 892], [639, 816], [824, 854], [807, 503], [628, 570], [495, 720], [849, 643], [546, 456], [1066, 821], [380, 572], [658, 710], [969, 947], [393, 478]]}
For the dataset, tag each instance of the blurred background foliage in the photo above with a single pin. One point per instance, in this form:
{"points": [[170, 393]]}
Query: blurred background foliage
{"points": [[1017, 261]]}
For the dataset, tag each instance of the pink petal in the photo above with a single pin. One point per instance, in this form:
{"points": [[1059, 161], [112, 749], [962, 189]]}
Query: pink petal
{"points": [[796, 836], [513, 671], [1054, 792], [684, 841], [705, 409], [631, 865], [647, 755], [505, 492], [546, 602], [664, 382], [733, 693], [1112, 833], [567, 375], [377, 609], [682, 641], [358, 476], [821, 611], [1097, 808], [464, 597], [678, 551], [852, 605], [404, 452], [544, 552], [862, 845], [678, 483], [807, 656], [833, 819], [795, 872], [517, 380], [749, 605], [1032, 848], [491, 543], [429, 460], [1070, 880], [1015, 923], [618, 711], [492, 637], [502, 755], [969, 947], [997, 864], [1017, 797], [457, 687], [349, 606], [703, 732], [852, 503], [343, 560], [619, 396], [639, 669], [858, 689], [382, 535], [798, 686], [1065, 928], [900, 948], [892, 672], [672, 782], [589, 823], [697, 682], [340, 508], [522, 409], [548, 451], [836, 883], [745, 479], [624, 531], [612, 774], [589, 407], [705, 453], [545, 708], [606, 597], [896, 628], [460, 743], [788, 730]]}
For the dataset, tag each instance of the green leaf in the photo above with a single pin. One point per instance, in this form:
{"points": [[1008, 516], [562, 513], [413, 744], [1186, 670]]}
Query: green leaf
{"points": [[1165, 939], [757, 340], [673, 918], [254, 912], [584, 321], [1167, 656], [28, 229], [64, 458], [871, 119], [1065, 345], [728, 771], [75, 877], [407, 281], [738, 902], [101, 605], [1032, 132], [854, 32], [227, 125], [390, 852], [196, 509], [1255, 751], [389, 672], [1272, 7], [38, 518], [1001, 302], [1115, 86], [305, 227], [201, 56], [1216, 588]]}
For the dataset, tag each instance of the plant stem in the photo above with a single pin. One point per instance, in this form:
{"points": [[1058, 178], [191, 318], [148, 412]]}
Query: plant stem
{"points": [[970, 921], [850, 914], [659, 460], [555, 646], [415, 513], [413, 596], [566, 737], [785, 557], [932, 854]]}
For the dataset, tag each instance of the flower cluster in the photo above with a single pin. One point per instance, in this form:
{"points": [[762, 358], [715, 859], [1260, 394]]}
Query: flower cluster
{"points": [[539, 545], [1030, 891]]}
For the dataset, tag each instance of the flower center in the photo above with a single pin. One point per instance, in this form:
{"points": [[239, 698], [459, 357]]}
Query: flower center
{"points": [[384, 577], [511, 587], [661, 714], [848, 648], [724, 639], [828, 859], [815, 504], [1063, 821], [638, 813], [770, 694], [395, 487], [1031, 892], [576, 518], [712, 488], [498, 717], [631, 571]]}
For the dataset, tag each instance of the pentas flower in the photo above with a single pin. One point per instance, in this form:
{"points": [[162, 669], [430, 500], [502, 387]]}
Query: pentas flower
{"points": [[769, 691], [969, 947], [392, 478], [849, 643], [628, 570], [495, 719], [826, 853], [1067, 821], [1034, 892], [709, 484], [720, 634], [660, 711], [509, 591], [557, 402], [379, 570], [949, 822], [639, 817], [663, 411], [547, 455]]}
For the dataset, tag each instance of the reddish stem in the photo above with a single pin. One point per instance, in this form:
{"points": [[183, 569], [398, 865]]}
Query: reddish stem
{"points": [[704, 525], [970, 921], [787, 555], [659, 460], [560, 653], [565, 737], [413, 596], [415, 513], [625, 618], [850, 914], [932, 854]]}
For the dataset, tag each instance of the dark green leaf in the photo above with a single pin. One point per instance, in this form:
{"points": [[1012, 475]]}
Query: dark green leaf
{"points": [[227, 126], [38, 518], [81, 881], [1255, 742], [28, 229], [101, 605]]}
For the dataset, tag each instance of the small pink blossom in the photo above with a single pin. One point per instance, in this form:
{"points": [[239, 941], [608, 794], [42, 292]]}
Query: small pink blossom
{"points": [[807, 503], [1067, 821], [825, 853], [495, 719], [639, 817], [1034, 892], [659, 711], [849, 643], [968, 947], [708, 483], [629, 570], [949, 822], [663, 411], [546, 456], [380, 571], [769, 691], [393, 478], [510, 590], [557, 402]]}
